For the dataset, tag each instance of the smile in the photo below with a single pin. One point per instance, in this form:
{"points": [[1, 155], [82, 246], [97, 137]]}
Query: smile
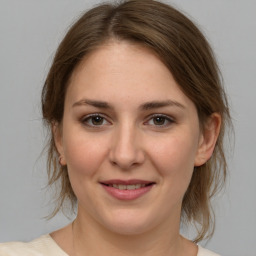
{"points": [[127, 190], [127, 187]]}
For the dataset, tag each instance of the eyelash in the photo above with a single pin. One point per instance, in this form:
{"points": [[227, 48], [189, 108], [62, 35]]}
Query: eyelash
{"points": [[87, 120], [166, 118]]}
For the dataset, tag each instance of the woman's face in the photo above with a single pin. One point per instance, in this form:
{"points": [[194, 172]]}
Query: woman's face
{"points": [[130, 139]]}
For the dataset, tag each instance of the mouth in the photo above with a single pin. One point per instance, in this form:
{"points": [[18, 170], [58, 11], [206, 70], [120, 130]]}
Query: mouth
{"points": [[127, 190], [128, 187]]}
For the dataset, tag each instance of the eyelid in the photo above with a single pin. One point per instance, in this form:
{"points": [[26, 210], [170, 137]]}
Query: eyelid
{"points": [[87, 117], [171, 120]]}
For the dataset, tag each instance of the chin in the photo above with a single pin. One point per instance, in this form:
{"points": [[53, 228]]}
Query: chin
{"points": [[129, 224]]}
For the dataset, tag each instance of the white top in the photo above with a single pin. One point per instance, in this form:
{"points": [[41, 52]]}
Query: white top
{"points": [[46, 246]]}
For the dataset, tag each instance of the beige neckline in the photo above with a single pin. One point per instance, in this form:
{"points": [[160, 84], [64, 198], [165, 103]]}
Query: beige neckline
{"points": [[58, 248], [54, 244]]}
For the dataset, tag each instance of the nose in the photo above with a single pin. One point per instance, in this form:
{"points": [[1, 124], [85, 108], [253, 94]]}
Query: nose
{"points": [[126, 148]]}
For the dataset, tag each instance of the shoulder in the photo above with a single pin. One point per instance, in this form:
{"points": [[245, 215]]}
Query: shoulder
{"points": [[205, 252], [41, 246]]}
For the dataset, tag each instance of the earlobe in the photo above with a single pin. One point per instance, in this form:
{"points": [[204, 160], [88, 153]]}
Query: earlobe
{"points": [[208, 139], [57, 134]]}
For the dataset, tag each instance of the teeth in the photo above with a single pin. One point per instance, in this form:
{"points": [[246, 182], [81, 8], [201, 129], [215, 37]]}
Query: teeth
{"points": [[128, 187], [139, 185], [122, 187]]}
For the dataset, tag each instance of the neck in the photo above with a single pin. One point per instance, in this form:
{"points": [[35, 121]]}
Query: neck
{"points": [[92, 238]]}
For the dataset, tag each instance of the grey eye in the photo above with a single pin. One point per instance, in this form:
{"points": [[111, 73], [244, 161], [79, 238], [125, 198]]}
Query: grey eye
{"points": [[94, 120], [97, 120], [159, 120]]}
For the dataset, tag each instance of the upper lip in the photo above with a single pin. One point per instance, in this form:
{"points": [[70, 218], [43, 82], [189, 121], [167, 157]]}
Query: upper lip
{"points": [[126, 182]]}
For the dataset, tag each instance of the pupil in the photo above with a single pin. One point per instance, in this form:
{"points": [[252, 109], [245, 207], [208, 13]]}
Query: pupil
{"points": [[159, 120], [97, 120]]}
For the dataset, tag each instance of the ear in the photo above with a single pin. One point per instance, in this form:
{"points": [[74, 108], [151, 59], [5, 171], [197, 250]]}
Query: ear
{"points": [[57, 134], [208, 138]]}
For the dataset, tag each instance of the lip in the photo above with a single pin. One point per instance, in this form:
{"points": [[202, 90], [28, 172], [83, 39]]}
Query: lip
{"points": [[126, 182], [127, 194]]}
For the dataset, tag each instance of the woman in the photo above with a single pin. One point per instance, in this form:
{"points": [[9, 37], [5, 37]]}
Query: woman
{"points": [[137, 115]]}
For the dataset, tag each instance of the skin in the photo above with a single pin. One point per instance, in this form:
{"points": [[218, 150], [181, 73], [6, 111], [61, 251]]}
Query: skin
{"points": [[126, 141]]}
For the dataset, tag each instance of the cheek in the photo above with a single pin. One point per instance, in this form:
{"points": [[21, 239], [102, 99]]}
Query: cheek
{"points": [[174, 158], [84, 154]]}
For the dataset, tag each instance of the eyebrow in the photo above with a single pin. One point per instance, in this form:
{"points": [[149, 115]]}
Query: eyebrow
{"points": [[94, 103], [145, 106], [161, 104]]}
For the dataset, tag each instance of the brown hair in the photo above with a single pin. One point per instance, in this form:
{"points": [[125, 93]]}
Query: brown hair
{"points": [[187, 54]]}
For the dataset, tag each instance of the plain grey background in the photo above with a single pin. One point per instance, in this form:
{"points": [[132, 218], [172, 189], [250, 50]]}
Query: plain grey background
{"points": [[30, 31]]}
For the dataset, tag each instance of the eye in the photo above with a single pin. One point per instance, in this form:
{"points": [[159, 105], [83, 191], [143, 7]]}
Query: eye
{"points": [[160, 120], [94, 120]]}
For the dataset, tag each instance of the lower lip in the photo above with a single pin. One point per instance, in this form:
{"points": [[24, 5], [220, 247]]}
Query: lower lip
{"points": [[127, 194]]}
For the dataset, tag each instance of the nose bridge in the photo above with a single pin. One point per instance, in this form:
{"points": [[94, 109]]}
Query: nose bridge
{"points": [[126, 151]]}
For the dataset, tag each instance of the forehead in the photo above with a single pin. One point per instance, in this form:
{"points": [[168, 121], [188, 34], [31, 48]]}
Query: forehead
{"points": [[120, 58], [122, 70]]}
